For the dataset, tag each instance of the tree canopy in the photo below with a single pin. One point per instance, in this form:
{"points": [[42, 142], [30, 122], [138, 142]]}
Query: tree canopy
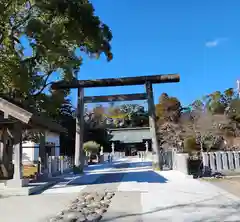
{"points": [[210, 120], [168, 108], [38, 42]]}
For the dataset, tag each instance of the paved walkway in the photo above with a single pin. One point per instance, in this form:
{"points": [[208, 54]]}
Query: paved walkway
{"points": [[170, 196], [141, 195], [44, 205]]}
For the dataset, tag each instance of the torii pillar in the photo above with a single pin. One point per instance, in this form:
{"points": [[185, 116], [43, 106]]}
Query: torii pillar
{"points": [[79, 159], [157, 158]]}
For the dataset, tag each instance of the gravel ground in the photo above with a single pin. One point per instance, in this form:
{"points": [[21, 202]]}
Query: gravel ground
{"points": [[92, 202], [87, 207]]}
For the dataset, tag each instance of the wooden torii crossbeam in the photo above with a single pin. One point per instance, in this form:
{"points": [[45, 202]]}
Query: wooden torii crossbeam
{"points": [[115, 98], [148, 81], [125, 81]]}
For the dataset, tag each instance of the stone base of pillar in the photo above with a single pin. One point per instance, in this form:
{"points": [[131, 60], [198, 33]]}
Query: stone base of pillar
{"points": [[101, 159], [155, 162], [3, 184], [43, 176], [17, 183], [86, 161]]}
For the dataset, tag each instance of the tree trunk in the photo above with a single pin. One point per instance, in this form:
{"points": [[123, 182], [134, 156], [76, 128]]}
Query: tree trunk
{"points": [[6, 169]]}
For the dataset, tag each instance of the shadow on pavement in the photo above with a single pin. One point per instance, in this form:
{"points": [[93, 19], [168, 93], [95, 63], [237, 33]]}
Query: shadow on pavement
{"points": [[90, 178], [133, 165], [117, 165], [102, 178]]}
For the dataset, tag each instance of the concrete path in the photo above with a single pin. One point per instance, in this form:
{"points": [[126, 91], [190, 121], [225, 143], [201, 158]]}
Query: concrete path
{"points": [[44, 205], [35, 208], [170, 196], [141, 195], [183, 199]]}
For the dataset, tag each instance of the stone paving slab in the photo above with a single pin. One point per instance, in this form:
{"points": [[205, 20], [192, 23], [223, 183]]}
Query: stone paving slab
{"points": [[35, 208], [182, 199], [26, 191], [125, 206], [103, 183]]}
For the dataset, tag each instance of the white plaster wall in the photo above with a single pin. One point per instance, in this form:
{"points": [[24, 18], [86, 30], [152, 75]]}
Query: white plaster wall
{"points": [[29, 152], [54, 138], [31, 149]]}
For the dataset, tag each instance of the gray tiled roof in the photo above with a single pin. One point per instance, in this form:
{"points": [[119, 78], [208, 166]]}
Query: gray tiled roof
{"points": [[131, 135]]}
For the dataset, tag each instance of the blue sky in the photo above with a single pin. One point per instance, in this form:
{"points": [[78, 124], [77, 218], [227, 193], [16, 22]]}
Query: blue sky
{"points": [[198, 39]]}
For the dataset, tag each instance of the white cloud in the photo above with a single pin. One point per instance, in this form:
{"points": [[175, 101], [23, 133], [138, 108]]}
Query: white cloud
{"points": [[215, 42]]}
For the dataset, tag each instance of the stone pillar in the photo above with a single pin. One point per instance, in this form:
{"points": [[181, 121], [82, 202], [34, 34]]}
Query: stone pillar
{"points": [[205, 160], [79, 157], [101, 155], [61, 164], [113, 151], [146, 145], [113, 146], [17, 158], [236, 157], [157, 158], [224, 161], [230, 160], [212, 161], [50, 166], [218, 161], [65, 163]]}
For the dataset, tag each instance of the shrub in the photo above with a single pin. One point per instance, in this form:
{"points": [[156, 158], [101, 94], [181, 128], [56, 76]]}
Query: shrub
{"points": [[190, 144], [91, 147]]}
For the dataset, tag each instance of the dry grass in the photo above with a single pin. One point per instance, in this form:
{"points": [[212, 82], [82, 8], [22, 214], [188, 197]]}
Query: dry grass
{"points": [[212, 179], [230, 184], [29, 170], [230, 179]]}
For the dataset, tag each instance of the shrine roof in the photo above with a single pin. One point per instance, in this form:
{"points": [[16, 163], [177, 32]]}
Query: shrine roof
{"points": [[27, 116], [130, 135]]}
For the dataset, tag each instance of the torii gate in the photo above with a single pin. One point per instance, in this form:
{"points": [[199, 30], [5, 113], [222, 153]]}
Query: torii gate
{"points": [[148, 81]]}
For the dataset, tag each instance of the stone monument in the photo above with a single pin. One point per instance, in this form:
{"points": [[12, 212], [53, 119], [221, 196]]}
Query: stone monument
{"points": [[146, 145]]}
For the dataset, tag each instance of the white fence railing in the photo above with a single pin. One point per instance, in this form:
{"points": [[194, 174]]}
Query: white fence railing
{"points": [[221, 161]]}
